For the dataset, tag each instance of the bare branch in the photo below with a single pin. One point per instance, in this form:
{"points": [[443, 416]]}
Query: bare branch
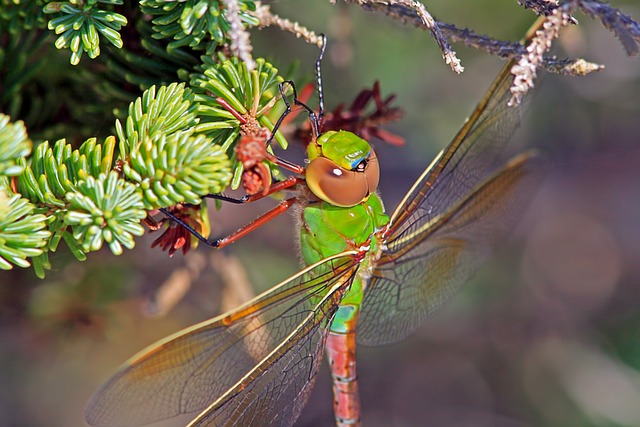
{"points": [[541, 7], [623, 26], [571, 67], [240, 43], [531, 57], [526, 69], [417, 12], [501, 48], [544, 7], [267, 19]]}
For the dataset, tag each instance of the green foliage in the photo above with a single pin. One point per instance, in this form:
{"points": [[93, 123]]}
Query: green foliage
{"points": [[90, 197], [179, 168], [79, 24], [248, 92], [105, 209], [173, 146], [14, 144], [161, 154], [18, 65], [17, 15], [199, 24], [142, 65], [153, 115], [251, 93], [55, 171], [22, 233], [69, 186]]}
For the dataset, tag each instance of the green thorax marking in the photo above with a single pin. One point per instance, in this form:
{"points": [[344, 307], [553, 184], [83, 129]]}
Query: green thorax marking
{"points": [[345, 148], [328, 230]]}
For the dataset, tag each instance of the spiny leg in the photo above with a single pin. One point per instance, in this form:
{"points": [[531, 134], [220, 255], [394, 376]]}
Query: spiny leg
{"points": [[263, 219]]}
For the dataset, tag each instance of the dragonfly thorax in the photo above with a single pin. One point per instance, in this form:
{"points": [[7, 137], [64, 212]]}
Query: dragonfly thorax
{"points": [[328, 229]]}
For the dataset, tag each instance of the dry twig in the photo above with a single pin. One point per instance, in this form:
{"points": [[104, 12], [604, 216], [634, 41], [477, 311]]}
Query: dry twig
{"points": [[526, 70], [623, 26], [240, 44], [398, 8], [267, 19]]}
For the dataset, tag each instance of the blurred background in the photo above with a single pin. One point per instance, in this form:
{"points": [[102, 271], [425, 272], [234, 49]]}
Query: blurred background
{"points": [[546, 334]]}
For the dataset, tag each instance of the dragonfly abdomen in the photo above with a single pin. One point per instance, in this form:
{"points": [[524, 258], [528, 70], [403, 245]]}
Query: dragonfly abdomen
{"points": [[341, 352]]}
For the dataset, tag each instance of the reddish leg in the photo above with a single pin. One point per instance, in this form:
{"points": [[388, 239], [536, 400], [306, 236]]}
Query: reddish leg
{"points": [[285, 164], [273, 159], [278, 186], [281, 208], [261, 220]]}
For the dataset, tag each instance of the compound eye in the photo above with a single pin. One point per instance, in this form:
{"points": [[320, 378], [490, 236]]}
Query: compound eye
{"points": [[372, 171], [339, 186]]}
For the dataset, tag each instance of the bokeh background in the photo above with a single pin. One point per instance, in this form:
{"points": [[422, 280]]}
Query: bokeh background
{"points": [[546, 334]]}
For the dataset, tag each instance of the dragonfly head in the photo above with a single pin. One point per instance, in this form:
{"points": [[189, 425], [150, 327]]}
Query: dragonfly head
{"points": [[343, 169]]}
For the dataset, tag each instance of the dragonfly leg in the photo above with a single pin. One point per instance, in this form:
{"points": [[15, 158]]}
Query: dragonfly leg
{"points": [[278, 186], [341, 352], [261, 220], [312, 115], [219, 243], [316, 119], [224, 241], [285, 164]]}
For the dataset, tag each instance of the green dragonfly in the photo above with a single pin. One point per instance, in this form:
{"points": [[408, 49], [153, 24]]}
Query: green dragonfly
{"points": [[370, 278]]}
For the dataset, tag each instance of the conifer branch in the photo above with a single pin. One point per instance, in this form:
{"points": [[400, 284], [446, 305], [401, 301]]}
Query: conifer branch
{"points": [[79, 24]]}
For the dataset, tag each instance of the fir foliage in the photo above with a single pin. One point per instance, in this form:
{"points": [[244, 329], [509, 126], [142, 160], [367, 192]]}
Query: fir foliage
{"points": [[105, 209], [18, 65], [97, 194], [22, 231], [19, 15], [14, 144], [81, 22], [160, 153], [90, 197], [141, 65], [251, 93], [199, 24]]}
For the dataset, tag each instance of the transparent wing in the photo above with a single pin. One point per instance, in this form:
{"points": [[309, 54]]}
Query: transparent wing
{"points": [[256, 362], [423, 267], [467, 160], [274, 393]]}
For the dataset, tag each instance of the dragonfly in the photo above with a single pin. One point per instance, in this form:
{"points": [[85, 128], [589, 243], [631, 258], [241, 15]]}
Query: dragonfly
{"points": [[370, 279]]}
